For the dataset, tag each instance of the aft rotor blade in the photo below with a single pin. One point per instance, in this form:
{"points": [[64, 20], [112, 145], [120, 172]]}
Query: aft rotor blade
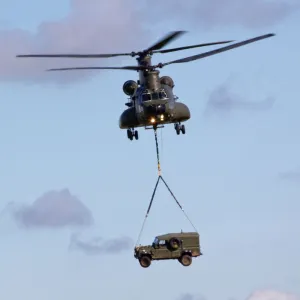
{"points": [[217, 51], [165, 40], [190, 47], [75, 55], [131, 68]]}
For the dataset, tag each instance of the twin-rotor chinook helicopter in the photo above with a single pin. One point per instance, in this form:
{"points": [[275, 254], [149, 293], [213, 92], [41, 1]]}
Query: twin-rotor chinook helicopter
{"points": [[151, 98]]}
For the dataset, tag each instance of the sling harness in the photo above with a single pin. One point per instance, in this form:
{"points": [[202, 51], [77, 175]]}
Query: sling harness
{"points": [[154, 191]]}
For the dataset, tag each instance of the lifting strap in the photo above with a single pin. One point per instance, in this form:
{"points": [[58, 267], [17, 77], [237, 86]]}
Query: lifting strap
{"points": [[157, 153], [154, 191]]}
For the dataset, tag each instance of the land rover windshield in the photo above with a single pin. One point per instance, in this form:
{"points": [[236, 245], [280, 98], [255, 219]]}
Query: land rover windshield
{"points": [[155, 242]]}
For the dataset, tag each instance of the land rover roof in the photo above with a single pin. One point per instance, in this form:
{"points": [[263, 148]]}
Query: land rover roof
{"points": [[178, 235]]}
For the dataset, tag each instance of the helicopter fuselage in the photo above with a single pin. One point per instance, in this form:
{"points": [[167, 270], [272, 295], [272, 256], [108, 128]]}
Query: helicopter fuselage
{"points": [[150, 108], [152, 102]]}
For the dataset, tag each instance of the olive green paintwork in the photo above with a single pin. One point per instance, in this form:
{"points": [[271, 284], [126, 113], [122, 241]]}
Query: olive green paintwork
{"points": [[160, 249], [179, 113]]}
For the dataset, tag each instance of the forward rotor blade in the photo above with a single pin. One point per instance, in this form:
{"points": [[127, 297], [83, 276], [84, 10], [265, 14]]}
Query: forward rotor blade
{"points": [[131, 68], [216, 51], [161, 43], [190, 47], [165, 40], [75, 55]]}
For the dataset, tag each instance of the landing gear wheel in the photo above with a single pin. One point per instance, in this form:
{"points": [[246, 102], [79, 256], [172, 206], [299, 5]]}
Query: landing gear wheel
{"points": [[132, 134], [136, 134], [182, 128], [145, 261], [185, 260], [129, 134], [177, 128]]}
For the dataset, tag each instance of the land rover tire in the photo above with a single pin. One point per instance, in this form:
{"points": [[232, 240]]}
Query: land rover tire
{"points": [[174, 243], [185, 259], [145, 261]]}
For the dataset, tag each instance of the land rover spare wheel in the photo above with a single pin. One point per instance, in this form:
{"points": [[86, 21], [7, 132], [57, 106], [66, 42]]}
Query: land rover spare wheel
{"points": [[186, 260], [174, 243], [145, 261]]}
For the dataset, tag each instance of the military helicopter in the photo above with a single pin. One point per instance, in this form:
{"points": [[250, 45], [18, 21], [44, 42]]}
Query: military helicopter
{"points": [[152, 101]]}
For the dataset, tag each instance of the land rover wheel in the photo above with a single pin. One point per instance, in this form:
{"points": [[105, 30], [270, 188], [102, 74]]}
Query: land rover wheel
{"points": [[186, 260], [174, 243], [145, 261]]}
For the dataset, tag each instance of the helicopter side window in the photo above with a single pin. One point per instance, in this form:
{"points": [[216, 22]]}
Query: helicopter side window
{"points": [[146, 97], [162, 95]]}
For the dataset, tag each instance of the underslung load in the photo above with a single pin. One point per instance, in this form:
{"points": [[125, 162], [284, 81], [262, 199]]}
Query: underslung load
{"points": [[182, 246]]}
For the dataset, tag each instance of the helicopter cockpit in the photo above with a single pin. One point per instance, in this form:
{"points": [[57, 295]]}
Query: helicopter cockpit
{"points": [[160, 95]]}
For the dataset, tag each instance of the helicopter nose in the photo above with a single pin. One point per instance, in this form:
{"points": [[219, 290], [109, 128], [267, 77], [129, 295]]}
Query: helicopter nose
{"points": [[128, 119], [156, 109], [182, 111]]}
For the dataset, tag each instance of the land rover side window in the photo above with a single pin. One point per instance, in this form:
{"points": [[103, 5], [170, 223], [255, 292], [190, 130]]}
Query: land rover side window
{"points": [[162, 243], [163, 95], [146, 97], [155, 96]]}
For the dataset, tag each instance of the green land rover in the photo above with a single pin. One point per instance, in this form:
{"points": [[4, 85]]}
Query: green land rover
{"points": [[182, 246]]}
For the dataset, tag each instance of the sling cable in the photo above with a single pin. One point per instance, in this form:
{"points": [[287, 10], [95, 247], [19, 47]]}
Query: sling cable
{"points": [[154, 191]]}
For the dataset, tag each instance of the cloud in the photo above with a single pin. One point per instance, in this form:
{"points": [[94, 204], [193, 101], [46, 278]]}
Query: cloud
{"points": [[60, 209], [254, 14], [99, 246], [189, 296], [223, 99], [257, 295], [90, 27], [290, 175], [54, 209], [272, 295], [93, 26]]}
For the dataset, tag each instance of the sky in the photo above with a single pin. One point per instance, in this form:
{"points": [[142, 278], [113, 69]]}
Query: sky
{"points": [[74, 189]]}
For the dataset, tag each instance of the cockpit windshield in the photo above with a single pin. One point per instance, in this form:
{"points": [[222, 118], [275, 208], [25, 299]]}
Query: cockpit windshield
{"points": [[161, 95], [155, 96]]}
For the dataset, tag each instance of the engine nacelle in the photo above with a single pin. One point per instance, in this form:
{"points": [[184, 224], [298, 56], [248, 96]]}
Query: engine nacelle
{"points": [[129, 87], [167, 80]]}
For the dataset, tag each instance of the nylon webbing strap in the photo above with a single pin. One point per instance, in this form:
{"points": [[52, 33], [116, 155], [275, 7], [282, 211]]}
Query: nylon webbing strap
{"points": [[154, 191], [148, 210], [157, 152], [179, 204]]}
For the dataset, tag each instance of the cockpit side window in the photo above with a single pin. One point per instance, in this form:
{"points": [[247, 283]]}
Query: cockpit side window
{"points": [[146, 97], [162, 95], [154, 96]]}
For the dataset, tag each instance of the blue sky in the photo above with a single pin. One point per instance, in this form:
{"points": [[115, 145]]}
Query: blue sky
{"points": [[224, 171]]}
